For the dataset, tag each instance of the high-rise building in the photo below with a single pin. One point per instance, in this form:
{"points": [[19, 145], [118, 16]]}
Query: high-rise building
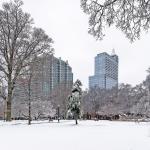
{"points": [[106, 71], [52, 79], [61, 73], [49, 72]]}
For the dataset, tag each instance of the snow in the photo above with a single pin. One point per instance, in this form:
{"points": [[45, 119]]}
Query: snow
{"points": [[87, 135]]}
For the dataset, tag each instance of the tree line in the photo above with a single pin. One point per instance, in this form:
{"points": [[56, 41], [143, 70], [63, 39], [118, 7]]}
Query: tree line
{"points": [[124, 99], [21, 43]]}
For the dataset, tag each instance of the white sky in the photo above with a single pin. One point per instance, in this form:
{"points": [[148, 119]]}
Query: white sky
{"points": [[64, 21]]}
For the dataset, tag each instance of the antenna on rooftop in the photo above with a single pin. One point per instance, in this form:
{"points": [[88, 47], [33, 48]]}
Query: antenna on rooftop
{"points": [[113, 52]]}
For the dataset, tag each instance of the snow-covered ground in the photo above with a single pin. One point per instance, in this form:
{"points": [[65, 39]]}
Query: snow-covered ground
{"points": [[88, 135]]}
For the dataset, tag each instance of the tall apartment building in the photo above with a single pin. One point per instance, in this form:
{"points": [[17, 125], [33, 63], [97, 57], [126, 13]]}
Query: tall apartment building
{"points": [[51, 76], [51, 72], [61, 73], [106, 71]]}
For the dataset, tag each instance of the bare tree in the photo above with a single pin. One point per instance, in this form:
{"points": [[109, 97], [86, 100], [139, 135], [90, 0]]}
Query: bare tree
{"points": [[19, 41], [147, 81], [94, 97], [147, 98], [59, 96], [111, 101], [130, 16], [29, 74], [29, 101], [93, 100], [2, 90], [2, 99]]}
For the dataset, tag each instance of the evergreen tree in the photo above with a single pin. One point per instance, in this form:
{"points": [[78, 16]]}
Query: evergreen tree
{"points": [[74, 100]]}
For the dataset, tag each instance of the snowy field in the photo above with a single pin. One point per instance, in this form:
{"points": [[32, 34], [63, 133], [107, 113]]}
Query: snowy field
{"points": [[88, 135]]}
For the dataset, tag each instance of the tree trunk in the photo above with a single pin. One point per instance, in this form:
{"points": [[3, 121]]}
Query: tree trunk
{"points": [[58, 113], [9, 100], [29, 102], [76, 121], [8, 111], [29, 119], [76, 118]]}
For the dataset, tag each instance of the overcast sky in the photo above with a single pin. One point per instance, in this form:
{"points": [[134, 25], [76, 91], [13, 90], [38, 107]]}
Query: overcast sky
{"points": [[64, 21]]}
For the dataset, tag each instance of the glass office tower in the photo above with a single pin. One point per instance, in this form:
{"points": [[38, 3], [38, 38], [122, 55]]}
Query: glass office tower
{"points": [[106, 71]]}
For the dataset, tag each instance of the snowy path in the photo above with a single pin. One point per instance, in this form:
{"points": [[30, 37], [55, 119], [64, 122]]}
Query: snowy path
{"points": [[88, 135]]}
